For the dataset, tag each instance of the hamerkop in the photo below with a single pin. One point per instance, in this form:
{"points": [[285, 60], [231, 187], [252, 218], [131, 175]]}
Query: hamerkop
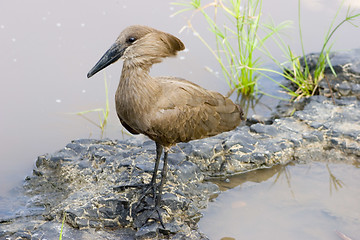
{"points": [[168, 110]]}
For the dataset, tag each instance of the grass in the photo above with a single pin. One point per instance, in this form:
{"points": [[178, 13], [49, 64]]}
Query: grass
{"points": [[237, 39], [306, 81], [296, 70], [62, 226], [103, 112]]}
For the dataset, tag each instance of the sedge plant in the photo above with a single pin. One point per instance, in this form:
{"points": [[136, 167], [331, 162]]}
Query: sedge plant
{"points": [[103, 112], [238, 43], [237, 40], [62, 226], [305, 81]]}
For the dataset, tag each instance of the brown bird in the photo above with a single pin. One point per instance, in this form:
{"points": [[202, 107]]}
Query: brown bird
{"points": [[168, 110]]}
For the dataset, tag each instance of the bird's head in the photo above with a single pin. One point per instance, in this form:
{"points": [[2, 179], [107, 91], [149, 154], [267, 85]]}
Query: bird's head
{"points": [[139, 45]]}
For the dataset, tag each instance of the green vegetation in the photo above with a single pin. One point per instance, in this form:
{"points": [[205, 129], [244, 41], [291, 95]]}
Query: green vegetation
{"points": [[103, 113], [62, 226], [238, 39], [242, 37], [306, 81]]}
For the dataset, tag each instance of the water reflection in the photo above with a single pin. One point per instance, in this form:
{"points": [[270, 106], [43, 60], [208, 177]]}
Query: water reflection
{"points": [[257, 176], [298, 201], [251, 104], [334, 182], [286, 173], [258, 104], [277, 173]]}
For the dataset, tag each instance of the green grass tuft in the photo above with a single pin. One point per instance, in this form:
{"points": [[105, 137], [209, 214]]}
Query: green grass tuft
{"points": [[103, 112], [237, 39], [62, 226]]}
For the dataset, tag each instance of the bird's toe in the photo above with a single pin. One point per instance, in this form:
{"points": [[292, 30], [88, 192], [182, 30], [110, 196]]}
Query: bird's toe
{"points": [[150, 214]]}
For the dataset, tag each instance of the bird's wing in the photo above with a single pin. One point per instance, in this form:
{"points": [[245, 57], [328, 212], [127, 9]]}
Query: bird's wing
{"points": [[186, 111]]}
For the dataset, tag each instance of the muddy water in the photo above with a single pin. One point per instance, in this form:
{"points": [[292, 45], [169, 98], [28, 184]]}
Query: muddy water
{"points": [[298, 201], [48, 47]]}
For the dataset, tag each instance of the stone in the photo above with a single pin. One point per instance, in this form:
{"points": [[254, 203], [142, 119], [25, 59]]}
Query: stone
{"points": [[22, 235], [258, 119], [187, 171], [312, 136], [84, 179], [82, 223], [147, 232], [173, 201], [265, 129]]}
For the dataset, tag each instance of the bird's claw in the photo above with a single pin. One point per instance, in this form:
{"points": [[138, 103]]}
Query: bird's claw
{"points": [[150, 187], [147, 187], [147, 214], [123, 187]]}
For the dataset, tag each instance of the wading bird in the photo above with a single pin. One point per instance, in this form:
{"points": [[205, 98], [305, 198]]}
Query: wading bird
{"points": [[168, 110]]}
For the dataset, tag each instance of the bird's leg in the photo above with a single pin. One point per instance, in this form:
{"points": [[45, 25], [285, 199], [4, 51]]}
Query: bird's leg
{"points": [[157, 206], [152, 186], [163, 179], [159, 150], [152, 183]]}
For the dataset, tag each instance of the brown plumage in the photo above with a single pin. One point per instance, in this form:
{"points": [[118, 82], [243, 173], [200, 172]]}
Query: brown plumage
{"points": [[166, 109]]}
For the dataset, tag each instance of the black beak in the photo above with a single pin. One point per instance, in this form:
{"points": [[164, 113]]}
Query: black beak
{"points": [[112, 55]]}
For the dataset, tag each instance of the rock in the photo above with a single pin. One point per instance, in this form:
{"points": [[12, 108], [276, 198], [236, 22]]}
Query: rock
{"points": [[85, 180], [259, 119], [265, 129], [147, 232]]}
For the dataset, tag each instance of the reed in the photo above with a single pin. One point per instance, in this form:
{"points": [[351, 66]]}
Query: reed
{"points": [[238, 41], [296, 69], [103, 112], [62, 226]]}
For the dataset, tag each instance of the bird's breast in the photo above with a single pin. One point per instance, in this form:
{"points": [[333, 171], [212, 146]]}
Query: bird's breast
{"points": [[134, 103]]}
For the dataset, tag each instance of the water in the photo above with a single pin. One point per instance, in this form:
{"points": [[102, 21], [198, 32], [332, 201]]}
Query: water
{"points": [[47, 48], [300, 201]]}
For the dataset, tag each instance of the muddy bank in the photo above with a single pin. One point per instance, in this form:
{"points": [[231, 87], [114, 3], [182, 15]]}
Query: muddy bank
{"points": [[82, 180]]}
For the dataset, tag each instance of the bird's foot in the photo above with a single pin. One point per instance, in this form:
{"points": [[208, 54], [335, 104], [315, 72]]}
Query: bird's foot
{"points": [[123, 187], [146, 186], [146, 189], [149, 188], [148, 214]]}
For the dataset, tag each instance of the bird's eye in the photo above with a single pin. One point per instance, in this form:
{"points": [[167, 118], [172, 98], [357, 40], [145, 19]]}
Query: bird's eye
{"points": [[131, 40]]}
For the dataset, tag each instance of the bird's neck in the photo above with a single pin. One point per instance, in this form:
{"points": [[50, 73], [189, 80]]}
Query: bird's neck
{"points": [[137, 91], [136, 78]]}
